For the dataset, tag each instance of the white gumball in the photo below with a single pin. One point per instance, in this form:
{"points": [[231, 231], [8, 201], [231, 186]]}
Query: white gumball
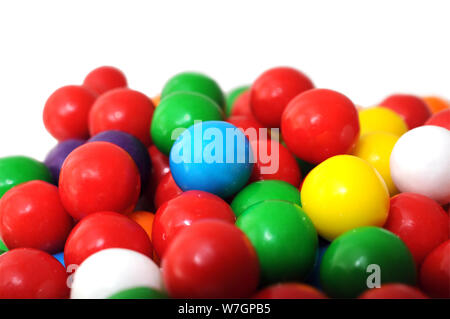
{"points": [[112, 270], [420, 162]]}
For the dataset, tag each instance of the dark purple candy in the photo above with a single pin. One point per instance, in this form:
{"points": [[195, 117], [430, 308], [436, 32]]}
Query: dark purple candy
{"points": [[133, 146], [55, 158]]}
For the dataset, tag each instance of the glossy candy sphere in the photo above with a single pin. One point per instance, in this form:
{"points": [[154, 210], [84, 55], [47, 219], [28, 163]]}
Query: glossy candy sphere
{"points": [[435, 272], [167, 189], [274, 161], [411, 108], [212, 156], [32, 216], [289, 291], [284, 239], [232, 96], [264, 190], [139, 293], [210, 259], [420, 163], [28, 273], [381, 119], [134, 148], [105, 78], [183, 211], [436, 104], [393, 291], [345, 271], [145, 220], [160, 164], [273, 90], [441, 118], [249, 126], [98, 176], [376, 148], [104, 230], [55, 158], [319, 124], [179, 111], [194, 82], [242, 106], [113, 270], [66, 112], [15, 170], [60, 258], [419, 221], [3, 246], [124, 110], [342, 193]]}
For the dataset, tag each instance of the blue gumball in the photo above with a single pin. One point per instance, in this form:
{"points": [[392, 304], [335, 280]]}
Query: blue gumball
{"points": [[212, 156], [60, 258], [55, 158]]}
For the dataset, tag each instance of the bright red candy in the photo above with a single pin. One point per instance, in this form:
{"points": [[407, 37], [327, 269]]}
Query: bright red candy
{"points": [[273, 90], [31, 215], [105, 78], [104, 230], [319, 124], [184, 210], [160, 163], [411, 108], [99, 176], [289, 291], [167, 189], [393, 291], [211, 259], [435, 272], [124, 110], [419, 221], [245, 123], [441, 118], [66, 112], [242, 105], [274, 161], [28, 273]]}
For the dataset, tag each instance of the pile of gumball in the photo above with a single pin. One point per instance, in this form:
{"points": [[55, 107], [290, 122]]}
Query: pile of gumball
{"points": [[333, 201]]}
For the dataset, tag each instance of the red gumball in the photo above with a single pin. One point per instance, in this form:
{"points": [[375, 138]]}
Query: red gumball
{"points": [[184, 210], [211, 259], [167, 189], [248, 125], [66, 112], [273, 90], [242, 105], [28, 273], [411, 108], [419, 221], [274, 161], [31, 215], [160, 164], [393, 291], [104, 230], [124, 110], [319, 124], [99, 176], [289, 291], [435, 272], [441, 118], [105, 78]]}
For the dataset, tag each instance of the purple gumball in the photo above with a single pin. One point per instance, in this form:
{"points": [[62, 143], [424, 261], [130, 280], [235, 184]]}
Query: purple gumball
{"points": [[55, 158], [133, 146]]}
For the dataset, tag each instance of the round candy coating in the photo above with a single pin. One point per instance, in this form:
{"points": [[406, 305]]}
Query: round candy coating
{"points": [[167, 189], [435, 272], [381, 119], [55, 158], [441, 118], [411, 108], [436, 104], [232, 96], [105, 78], [145, 220]]}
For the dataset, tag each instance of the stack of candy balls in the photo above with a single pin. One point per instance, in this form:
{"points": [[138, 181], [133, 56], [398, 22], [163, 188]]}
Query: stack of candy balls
{"points": [[278, 189]]}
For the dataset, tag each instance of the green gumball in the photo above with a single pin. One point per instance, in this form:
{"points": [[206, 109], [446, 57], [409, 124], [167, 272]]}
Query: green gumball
{"points": [[3, 246], [264, 190], [179, 111], [232, 97], [139, 293], [194, 82], [357, 259], [15, 170], [284, 238]]}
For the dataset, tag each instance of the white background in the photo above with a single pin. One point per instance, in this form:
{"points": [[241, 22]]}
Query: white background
{"points": [[364, 49]]}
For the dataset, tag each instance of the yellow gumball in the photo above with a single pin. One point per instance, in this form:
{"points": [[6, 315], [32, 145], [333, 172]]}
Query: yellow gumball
{"points": [[342, 193], [381, 119], [376, 149]]}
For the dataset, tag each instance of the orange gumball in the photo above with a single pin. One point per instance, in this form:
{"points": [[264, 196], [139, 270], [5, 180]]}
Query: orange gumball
{"points": [[436, 104], [156, 99], [145, 220]]}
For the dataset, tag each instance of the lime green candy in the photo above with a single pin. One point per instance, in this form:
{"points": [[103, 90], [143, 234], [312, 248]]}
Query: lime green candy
{"points": [[3, 246], [284, 238], [139, 293], [15, 170], [232, 97], [264, 190], [180, 110], [354, 260], [194, 82]]}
